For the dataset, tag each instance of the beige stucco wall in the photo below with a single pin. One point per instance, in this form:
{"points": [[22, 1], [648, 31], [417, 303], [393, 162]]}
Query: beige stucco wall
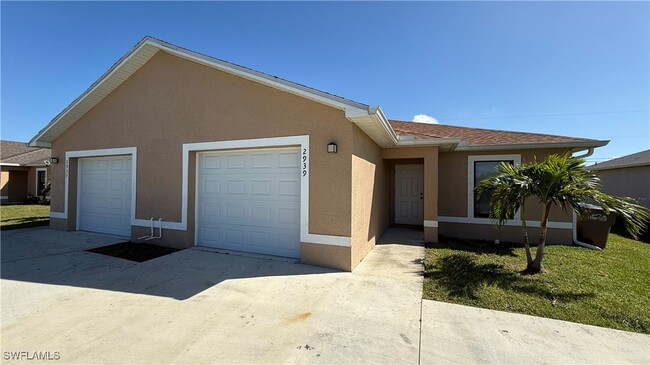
{"points": [[4, 184], [453, 199], [171, 101], [504, 234], [336, 257], [14, 183], [369, 195], [453, 183], [632, 182]]}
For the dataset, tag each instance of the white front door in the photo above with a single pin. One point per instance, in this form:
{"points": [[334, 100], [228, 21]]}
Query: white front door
{"points": [[249, 200], [104, 194], [409, 194]]}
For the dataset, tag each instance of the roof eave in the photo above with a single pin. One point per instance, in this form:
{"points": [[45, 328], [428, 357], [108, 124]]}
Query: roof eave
{"points": [[36, 143], [445, 144], [374, 123], [575, 145]]}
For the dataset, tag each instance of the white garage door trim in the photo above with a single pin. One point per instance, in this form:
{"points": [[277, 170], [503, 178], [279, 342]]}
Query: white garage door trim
{"points": [[126, 218], [233, 185], [133, 151], [302, 142]]}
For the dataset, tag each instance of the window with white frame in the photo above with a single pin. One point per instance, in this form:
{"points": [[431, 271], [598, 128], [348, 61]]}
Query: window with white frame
{"points": [[41, 180], [480, 168]]}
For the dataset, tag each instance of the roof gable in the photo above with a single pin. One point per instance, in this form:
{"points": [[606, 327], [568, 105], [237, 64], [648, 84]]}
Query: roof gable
{"points": [[370, 119]]}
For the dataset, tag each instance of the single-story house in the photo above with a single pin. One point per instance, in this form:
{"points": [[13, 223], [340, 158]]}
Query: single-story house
{"points": [[626, 176], [232, 158], [23, 171]]}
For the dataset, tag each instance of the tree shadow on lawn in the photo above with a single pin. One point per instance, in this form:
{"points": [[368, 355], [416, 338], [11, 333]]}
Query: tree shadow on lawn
{"points": [[476, 246], [24, 222], [462, 276], [619, 229]]}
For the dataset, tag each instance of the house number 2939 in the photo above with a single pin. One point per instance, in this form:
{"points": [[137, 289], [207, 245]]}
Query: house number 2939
{"points": [[304, 162]]}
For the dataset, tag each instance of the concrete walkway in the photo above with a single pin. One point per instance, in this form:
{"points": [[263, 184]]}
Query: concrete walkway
{"points": [[457, 334]]}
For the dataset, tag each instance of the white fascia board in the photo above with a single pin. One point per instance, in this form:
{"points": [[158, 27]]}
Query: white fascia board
{"points": [[380, 117], [522, 146], [33, 143], [449, 142], [374, 123], [9, 164]]}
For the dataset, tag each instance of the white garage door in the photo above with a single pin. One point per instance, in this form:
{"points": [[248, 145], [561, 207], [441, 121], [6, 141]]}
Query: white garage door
{"points": [[105, 195], [250, 201]]}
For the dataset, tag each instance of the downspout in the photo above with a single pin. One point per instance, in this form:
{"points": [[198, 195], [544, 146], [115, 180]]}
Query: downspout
{"points": [[590, 151], [575, 236]]}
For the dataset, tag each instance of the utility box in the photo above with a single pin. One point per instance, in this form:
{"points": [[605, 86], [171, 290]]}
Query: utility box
{"points": [[594, 227]]}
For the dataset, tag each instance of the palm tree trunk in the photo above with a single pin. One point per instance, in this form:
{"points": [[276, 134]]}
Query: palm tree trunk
{"points": [[524, 227], [539, 255]]}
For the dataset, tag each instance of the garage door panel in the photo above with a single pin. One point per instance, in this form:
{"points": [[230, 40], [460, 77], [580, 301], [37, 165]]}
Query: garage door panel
{"points": [[250, 201], [105, 195], [265, 240], [251, 213]]}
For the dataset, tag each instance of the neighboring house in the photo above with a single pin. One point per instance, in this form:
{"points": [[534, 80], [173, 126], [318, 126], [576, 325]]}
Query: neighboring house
{"points": [[23, 171], [235, 159], [627, 176]]}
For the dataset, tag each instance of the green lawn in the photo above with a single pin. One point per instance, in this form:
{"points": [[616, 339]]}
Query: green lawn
{"points": [[609, 288], [23, 216]]}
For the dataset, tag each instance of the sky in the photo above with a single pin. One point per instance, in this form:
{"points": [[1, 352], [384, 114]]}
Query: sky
{"points": [[579, 69]]}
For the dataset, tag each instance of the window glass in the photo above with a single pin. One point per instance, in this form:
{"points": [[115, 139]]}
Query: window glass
{"points": [[482, 171], [41, 181]]}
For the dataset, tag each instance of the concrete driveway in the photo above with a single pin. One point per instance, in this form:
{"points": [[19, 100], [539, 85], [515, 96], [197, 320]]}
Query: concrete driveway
{"points": [[197, 306]]}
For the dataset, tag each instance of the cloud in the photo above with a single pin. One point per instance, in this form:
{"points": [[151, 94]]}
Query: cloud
{"points": [[423, 118]]}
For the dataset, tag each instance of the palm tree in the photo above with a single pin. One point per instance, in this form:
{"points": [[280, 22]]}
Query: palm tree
{"points": [[509, 189], [559, 180]]}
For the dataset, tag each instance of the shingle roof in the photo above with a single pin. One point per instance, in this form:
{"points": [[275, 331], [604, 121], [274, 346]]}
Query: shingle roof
{"points": [[20, 153], [477, 136], [635, 159]]}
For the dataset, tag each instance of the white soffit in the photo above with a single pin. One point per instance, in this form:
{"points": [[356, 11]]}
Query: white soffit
{"points": [[375, 125], [370, 119]]}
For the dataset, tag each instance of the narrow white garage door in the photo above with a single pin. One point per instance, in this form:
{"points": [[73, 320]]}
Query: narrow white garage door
{"points": [[249, 200], [105, 195]]}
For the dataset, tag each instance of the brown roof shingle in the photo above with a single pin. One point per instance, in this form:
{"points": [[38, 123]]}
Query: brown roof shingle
{"points": [[477, 136], [19, 153]]}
